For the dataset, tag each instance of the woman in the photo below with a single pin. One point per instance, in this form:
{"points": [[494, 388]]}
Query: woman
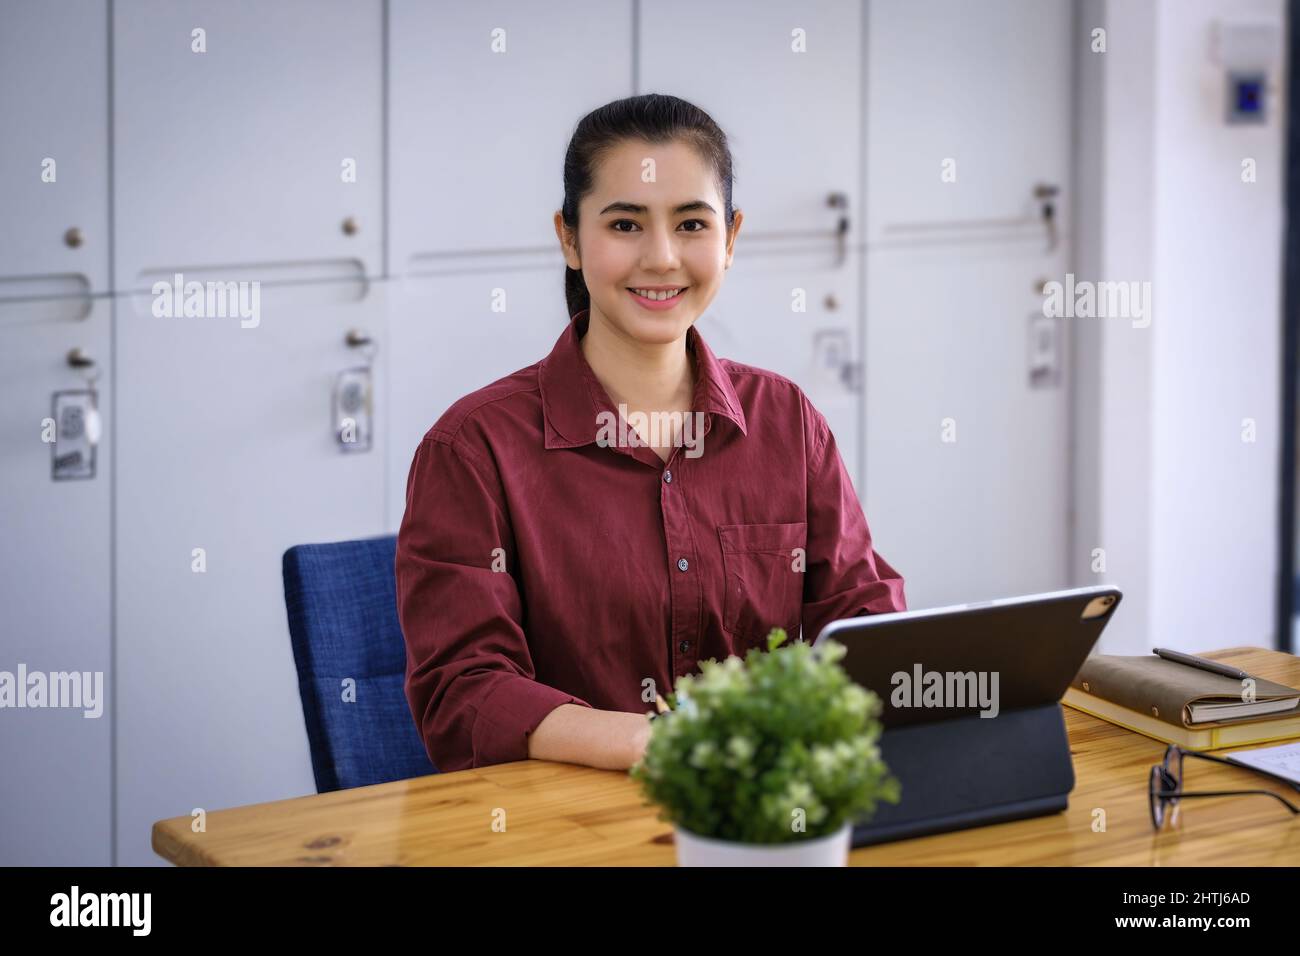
{"points": [[564, 557]]}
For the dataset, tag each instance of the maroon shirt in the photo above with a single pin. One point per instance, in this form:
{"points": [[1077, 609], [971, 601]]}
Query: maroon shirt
{"points": [[540, 564]]}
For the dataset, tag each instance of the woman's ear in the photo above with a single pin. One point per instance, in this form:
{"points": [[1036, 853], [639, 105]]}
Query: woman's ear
{"points": [[568, 244], [736, 218]]}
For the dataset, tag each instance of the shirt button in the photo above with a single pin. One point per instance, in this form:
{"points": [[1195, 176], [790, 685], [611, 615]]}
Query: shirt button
{"points": [[668, 476], [684, 646], [682, 564]]}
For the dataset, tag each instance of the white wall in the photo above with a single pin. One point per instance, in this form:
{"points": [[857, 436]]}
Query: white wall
{"points": [[1184, 508]]}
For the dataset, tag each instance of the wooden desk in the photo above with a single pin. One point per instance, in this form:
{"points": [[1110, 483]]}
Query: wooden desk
{"points": [[565, 815]]}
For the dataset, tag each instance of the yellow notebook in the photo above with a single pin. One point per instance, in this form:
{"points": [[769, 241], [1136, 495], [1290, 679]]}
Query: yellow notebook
{"points": [[1209, 738]]}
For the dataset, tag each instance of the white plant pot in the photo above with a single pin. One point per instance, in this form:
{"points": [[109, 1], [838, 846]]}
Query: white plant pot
{"points": [[696, 850]]}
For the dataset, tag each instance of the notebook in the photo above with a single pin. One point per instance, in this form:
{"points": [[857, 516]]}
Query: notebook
{"points": [[1181, 704]]}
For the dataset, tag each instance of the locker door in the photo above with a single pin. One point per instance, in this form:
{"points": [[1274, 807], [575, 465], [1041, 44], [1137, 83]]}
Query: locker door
{"points": [[967, 382], [966, 455], [54, 164], [448, 342], [968, 110], [783, 80], [56, 786], [254, 141], [466, 87], [228, 447]]}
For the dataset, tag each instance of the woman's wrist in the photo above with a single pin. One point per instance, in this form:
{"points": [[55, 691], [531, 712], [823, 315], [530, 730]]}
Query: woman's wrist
{"points": [[640, 737]]}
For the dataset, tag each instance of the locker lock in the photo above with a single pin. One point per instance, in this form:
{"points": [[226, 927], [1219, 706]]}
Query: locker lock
{"points": [[350, 226], [73, 238]]}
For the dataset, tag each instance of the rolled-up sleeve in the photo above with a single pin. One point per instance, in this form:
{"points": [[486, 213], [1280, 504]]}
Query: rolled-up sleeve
{"points": [[845, 576], [469, 673]]}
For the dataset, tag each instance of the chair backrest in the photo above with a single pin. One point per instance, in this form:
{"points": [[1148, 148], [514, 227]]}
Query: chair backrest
{"points": [[342, 605]]}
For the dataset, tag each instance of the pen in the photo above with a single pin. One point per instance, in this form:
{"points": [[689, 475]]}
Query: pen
{"points": [[1200, 662]]}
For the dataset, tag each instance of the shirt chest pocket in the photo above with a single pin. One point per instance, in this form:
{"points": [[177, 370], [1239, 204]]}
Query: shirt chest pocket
{"points": [[763, 567]]}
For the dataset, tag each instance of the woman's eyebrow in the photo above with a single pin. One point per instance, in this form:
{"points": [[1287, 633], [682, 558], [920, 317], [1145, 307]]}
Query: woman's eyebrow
{"points": [[697, 204]]}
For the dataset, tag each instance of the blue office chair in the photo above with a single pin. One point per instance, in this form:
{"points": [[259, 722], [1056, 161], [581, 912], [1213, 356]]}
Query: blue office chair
{"points": [[342, 604]]}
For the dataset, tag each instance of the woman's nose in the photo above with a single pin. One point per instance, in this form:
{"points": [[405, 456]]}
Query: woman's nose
{"points": [[660, 251]]}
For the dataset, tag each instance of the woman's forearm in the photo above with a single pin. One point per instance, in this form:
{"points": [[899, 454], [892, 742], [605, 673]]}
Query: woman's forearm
{"points": [[608, 739]]}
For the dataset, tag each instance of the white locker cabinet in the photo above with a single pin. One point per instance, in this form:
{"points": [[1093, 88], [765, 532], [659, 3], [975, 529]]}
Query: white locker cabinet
{"points": [[468, 85], [227, 446], [54, 164], [783, 79], [240, 155], [796, 314], [448, 342], [56, 784], [968, 109]]}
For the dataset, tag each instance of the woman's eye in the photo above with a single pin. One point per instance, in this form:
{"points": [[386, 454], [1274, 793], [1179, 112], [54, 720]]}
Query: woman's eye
{"points": [[618, 222]]}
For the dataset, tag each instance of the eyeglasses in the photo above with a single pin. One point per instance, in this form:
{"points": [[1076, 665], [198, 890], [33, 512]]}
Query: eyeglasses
{"points": [[1166, 786]]}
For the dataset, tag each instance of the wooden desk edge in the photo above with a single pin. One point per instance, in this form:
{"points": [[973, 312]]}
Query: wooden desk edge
{"points": [[175, 851]]}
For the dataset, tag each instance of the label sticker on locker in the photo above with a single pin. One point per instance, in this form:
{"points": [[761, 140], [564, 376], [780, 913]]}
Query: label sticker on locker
{"points": [[353, 409], [77, 430], [1044, 351]]}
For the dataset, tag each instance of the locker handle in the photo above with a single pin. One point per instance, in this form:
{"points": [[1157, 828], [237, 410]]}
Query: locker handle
{"points": [[839, 200], [361, 340], [1046, 194], [80, 359]]}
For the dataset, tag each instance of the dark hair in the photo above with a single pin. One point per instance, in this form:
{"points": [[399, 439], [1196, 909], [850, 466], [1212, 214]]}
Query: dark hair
{"points": [[656, 118]]}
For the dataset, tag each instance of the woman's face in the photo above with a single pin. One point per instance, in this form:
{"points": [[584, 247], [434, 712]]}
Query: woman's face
{"points": [[666, 233]]}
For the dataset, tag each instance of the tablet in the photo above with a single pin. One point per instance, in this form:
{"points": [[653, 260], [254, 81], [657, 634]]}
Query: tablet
{"points": [[982, 658]]}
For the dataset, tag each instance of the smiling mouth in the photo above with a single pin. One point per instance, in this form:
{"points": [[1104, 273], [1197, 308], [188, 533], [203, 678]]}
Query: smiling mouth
{"points": [[657, 296]]}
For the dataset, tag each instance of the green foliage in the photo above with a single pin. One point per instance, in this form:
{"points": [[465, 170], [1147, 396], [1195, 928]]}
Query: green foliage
{"points": [[779, 747]]}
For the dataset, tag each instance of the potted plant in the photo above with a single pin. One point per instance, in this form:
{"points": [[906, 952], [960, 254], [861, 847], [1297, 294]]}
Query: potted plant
{"points": [[767, 761]]}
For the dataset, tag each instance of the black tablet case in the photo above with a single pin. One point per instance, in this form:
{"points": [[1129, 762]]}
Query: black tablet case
{"points": [[972, 771], [964, 770]]}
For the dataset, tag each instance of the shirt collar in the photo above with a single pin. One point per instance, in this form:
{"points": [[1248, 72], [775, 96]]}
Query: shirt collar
{"points": [[572, 396]]}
